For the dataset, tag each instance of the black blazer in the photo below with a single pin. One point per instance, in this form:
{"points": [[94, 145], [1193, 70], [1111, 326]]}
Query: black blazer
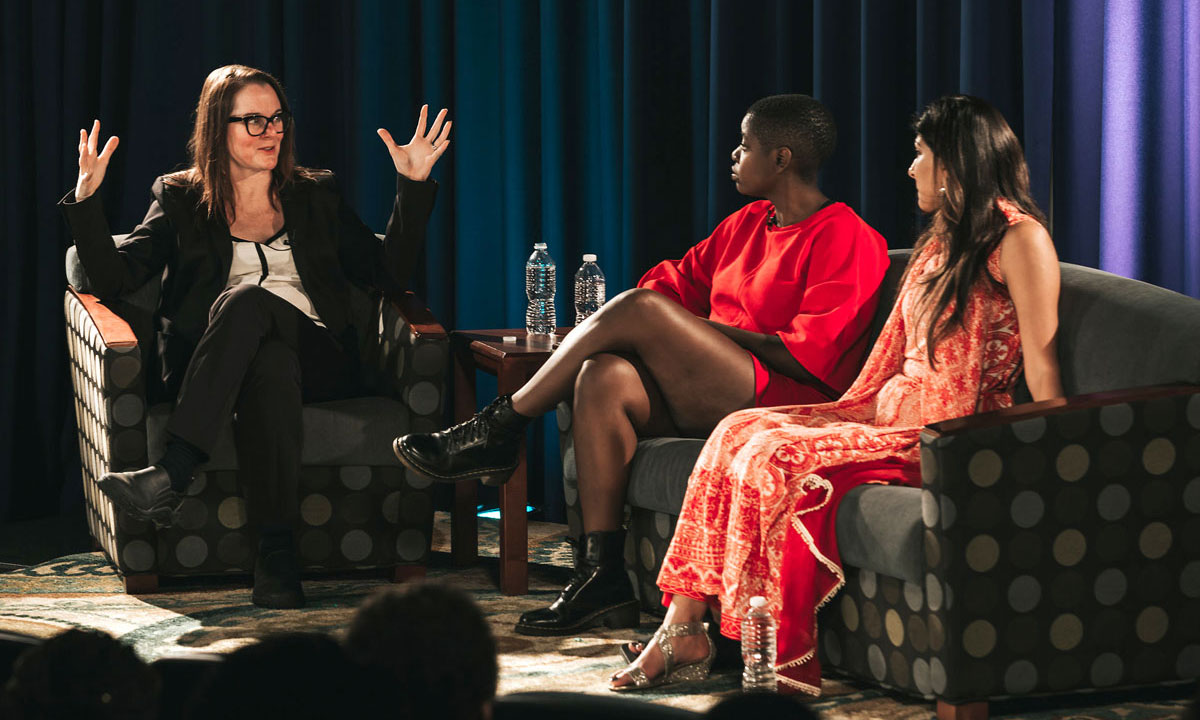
{"points": [[339, 260]]}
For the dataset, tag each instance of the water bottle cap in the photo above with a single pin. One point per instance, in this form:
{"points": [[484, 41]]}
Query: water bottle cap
{"points": [[758, 601], [589, 257], [539, 246]]}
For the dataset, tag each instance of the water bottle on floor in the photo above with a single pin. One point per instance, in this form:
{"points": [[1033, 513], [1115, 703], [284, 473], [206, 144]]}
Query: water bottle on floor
{"points": [[758, 648], [589, 288], [539, 289]]}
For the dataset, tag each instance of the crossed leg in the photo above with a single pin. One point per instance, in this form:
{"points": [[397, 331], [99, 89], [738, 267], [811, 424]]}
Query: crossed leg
{"points": [[641, 366]]}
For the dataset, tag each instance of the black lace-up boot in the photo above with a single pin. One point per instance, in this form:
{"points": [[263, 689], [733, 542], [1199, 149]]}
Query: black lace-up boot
{"points": [[484, 447], [599, 592]]}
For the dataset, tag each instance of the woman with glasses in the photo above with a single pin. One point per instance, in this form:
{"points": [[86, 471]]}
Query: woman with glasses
{"points": [[262, 308]]}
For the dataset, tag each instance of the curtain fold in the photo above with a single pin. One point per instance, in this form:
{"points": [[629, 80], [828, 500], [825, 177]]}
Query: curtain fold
{"points": [[597, 126]]}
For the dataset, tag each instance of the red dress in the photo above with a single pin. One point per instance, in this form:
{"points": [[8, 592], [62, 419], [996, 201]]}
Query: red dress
{"points": [[814, 283], [761, 505]]}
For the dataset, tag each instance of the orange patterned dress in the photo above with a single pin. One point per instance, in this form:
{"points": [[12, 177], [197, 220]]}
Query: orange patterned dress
{"points": [[759, 514]]}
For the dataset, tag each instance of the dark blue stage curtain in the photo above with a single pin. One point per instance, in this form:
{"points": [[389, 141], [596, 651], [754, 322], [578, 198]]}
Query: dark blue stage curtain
{"points": [[596, 126]]}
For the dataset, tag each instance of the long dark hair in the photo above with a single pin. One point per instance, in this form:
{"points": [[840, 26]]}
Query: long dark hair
{"points": [[983, 162], [209, 146]]}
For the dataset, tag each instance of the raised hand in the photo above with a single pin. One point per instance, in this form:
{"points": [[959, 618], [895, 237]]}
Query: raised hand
{"points": [[417, 158], [92, 166]]}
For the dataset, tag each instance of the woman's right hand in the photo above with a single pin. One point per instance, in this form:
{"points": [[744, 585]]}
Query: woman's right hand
{"points": [[92, 166]]}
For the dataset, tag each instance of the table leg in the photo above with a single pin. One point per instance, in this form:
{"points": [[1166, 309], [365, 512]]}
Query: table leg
{"points": [[464, 524], [514, 528]]}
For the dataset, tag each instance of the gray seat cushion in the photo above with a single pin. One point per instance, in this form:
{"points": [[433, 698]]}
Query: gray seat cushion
{"points": [[358, 431], [661, 467], [878, 526], [1119, 333]]}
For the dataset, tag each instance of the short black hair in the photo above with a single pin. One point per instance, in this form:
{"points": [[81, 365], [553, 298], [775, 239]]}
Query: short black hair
{"points": [[435, 645], [81, 673], [798, 122]]}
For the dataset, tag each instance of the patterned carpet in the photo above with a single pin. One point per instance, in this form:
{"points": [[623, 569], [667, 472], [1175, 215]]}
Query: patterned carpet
{"points": [[216, 616]]}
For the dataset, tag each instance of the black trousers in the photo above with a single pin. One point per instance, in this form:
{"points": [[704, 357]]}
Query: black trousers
{"points": [[261, 359]]}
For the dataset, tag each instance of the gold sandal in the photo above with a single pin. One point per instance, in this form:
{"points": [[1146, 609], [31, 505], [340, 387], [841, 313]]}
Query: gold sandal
{"points": [[688, 672]]}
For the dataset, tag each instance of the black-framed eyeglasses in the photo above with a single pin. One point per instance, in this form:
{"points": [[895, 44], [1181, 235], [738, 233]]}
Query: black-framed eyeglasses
{"points": [[257, 124]]}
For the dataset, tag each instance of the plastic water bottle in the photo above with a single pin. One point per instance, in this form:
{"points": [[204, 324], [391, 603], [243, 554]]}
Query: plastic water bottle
{"points": [[539, 288], [589, 288], [758, 648]]}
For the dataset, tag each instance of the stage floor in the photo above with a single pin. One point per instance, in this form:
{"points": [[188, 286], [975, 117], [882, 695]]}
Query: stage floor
{"points": [[215, 616]]}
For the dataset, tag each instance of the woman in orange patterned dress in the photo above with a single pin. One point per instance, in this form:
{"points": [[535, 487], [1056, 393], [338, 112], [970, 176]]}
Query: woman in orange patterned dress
{"points": [[759, 514]]}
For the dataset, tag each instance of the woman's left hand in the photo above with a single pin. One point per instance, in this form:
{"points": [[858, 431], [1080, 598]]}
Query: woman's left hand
{"points": [[417, 158]]}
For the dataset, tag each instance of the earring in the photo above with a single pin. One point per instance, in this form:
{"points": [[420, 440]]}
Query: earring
{"points": [[942, 190]]}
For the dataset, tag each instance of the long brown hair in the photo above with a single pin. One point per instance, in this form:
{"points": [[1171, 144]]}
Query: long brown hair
{"points": [[982, 158], [209, 146]]}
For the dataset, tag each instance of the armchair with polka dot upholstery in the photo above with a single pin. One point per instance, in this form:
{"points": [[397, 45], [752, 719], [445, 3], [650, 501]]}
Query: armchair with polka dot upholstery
{"points": [[359, 507], [1052, 547]]}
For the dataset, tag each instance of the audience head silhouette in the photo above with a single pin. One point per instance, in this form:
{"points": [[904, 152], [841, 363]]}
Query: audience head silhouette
{"points": [[80, 674], [760, 705], [291, 675], [435, 647]]}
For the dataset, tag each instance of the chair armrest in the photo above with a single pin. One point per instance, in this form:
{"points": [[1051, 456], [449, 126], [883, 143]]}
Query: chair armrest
{"points": [[411, 363], [413, 310], [1056, 406], [109, 385], [114, 331], [1065, 511]]}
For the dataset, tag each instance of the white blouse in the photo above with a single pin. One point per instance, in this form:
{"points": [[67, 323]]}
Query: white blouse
{"points": [[270, 265]]}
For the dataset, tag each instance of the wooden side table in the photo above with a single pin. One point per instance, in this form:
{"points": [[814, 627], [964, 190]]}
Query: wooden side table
{"points": [[513, 362]]}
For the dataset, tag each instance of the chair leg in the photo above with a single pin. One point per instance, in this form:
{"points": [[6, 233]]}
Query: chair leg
{"points": [[404, 573], [142, 584], [965, 711]]}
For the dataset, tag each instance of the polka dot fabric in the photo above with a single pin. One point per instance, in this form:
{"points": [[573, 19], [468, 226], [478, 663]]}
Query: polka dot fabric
{"points": [[1060, 553], [350, 517], [566, 446], [110, 402], [649, 536], [353, 516]]}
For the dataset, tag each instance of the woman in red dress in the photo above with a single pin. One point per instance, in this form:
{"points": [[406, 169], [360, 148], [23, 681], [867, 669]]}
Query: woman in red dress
{"points": [[771, 309], [760, 510]]}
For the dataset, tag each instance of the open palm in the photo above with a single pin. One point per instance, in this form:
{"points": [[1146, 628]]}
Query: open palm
{"points": [[417, 158], [92, 165]]}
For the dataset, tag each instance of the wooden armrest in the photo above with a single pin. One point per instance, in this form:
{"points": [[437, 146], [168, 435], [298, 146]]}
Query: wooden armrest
{"points": [[413, 310], [1057, 406], [114, 331]]}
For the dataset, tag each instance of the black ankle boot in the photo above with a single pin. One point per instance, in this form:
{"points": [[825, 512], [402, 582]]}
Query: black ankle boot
{"points": [[598, 594], [277, 573], [146, 494], [484, 447]]}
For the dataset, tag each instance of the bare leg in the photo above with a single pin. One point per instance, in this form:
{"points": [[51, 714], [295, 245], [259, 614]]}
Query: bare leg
{"points": [[681, 375], [687, 648], [615, 403], [701, 374], [642, 366]]}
